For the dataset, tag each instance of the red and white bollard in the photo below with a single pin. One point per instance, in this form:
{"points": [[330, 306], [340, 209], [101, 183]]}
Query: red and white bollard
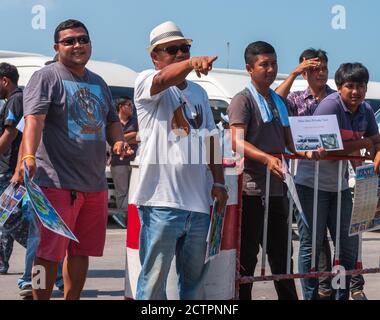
{"points": [[220, 280]]}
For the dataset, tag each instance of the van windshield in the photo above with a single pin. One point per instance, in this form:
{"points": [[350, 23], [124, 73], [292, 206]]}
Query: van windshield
{"points": [[374, 103], [218, 106], [120, 92]]}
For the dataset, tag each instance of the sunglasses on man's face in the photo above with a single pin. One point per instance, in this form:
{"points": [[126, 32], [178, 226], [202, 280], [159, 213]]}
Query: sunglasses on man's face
{"points": [[172, 50], [70, 41]]}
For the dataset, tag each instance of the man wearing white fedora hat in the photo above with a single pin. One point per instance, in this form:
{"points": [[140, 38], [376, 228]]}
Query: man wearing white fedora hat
{"points": [[173, 193]]}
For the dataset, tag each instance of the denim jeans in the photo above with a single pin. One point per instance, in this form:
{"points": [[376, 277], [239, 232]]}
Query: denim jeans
{"points": [[326, 217], [165, 233], [324, 264], [15, 228], [32, 244]]}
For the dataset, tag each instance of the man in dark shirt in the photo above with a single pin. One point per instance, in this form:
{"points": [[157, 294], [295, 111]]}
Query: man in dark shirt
{"points": [[359, 130], [313, 66], [68, 119], [262, 119], [16, 227], [121, 169]]}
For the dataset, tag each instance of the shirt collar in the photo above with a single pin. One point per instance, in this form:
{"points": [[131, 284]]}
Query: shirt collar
{"points": [[17, 90], [361, 108], [307, 93]]}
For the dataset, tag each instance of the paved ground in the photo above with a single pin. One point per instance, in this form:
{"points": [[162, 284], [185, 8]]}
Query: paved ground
{"points": [[106, 275]]}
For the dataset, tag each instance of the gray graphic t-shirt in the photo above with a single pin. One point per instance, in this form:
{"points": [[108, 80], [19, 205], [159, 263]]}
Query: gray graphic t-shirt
{"points": [[72, 152]]}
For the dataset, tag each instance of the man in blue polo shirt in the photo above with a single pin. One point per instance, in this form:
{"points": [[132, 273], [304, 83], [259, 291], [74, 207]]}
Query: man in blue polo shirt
{"points": [[359, 131]]}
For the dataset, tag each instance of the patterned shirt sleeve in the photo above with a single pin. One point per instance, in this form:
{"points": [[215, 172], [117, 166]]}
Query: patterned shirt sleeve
{"points": [[292, 104]]}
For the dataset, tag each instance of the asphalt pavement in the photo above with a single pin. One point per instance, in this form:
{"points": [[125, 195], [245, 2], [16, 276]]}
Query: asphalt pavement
{"points": [[106, 274]]}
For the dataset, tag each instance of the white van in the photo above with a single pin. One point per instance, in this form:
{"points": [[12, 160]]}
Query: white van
{"points": [[372, 95], [308, 143], [221, 86], [120, 79]]}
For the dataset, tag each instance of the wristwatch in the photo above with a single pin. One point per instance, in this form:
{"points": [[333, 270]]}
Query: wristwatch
{"points": [[219, 185]]}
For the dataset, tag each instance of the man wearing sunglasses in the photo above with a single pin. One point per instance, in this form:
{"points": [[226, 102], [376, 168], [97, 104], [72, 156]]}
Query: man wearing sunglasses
{"points": [[173, 194], [68, 118]]}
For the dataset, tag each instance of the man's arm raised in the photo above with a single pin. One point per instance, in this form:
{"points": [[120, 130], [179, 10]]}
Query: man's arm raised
{"points": [[176, 73]]}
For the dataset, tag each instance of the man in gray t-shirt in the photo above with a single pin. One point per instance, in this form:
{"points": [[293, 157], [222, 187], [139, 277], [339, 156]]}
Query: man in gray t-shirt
{"points": [[261, 116], [68, 119]]}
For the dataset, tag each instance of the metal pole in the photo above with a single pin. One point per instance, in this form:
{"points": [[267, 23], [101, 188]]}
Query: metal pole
{"points": [[238, 242], [290, 222], [228, 55], [359, 263], [338, 215], [265, 232], [315, 211]]}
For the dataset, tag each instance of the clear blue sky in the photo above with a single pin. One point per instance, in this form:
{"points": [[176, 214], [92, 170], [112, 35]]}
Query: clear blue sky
{"points": [[120, 28]]}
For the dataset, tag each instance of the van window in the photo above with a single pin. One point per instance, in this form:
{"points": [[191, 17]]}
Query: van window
{"points": [[374, 103], [218, 106], [119, 92], [377, 117]]}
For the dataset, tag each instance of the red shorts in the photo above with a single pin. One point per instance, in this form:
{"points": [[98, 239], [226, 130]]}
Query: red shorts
{"points": [[87, 219]]}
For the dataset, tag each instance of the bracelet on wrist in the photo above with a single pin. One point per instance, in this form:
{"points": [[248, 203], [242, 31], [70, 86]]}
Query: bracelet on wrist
{"points": [[28, 156], [220, 185]]}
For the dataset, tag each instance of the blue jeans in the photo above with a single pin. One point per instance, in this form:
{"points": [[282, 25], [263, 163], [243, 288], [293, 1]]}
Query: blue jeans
{"points": [[166, 232], [32, 244], [326, 217], [15, 228]]}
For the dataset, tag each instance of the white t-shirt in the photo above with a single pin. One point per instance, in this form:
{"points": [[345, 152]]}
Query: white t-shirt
{"points": [[173, 167]]}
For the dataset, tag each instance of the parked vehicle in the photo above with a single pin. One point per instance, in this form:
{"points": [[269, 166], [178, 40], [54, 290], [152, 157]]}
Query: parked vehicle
{"points": [[308, 143], [372, 95], [221, 86], [119, 78]]}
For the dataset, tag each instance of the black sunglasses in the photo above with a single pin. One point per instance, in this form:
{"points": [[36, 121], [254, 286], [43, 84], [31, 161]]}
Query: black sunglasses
{"points": [[172, 50], [70, 41]]}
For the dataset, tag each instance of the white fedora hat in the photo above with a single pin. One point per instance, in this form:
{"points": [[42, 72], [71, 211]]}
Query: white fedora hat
{"points": [[166, 32]]}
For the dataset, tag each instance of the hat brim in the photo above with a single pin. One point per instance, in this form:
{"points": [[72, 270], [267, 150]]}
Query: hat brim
{"points": [[169, 39]]}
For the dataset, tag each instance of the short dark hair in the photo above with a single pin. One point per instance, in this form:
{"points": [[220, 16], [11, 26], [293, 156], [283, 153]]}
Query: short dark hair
{"points": [[68, 24], [55, 59], [351, 72], [9, 71], [120, 101], [313, 53], [256, 48]]}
